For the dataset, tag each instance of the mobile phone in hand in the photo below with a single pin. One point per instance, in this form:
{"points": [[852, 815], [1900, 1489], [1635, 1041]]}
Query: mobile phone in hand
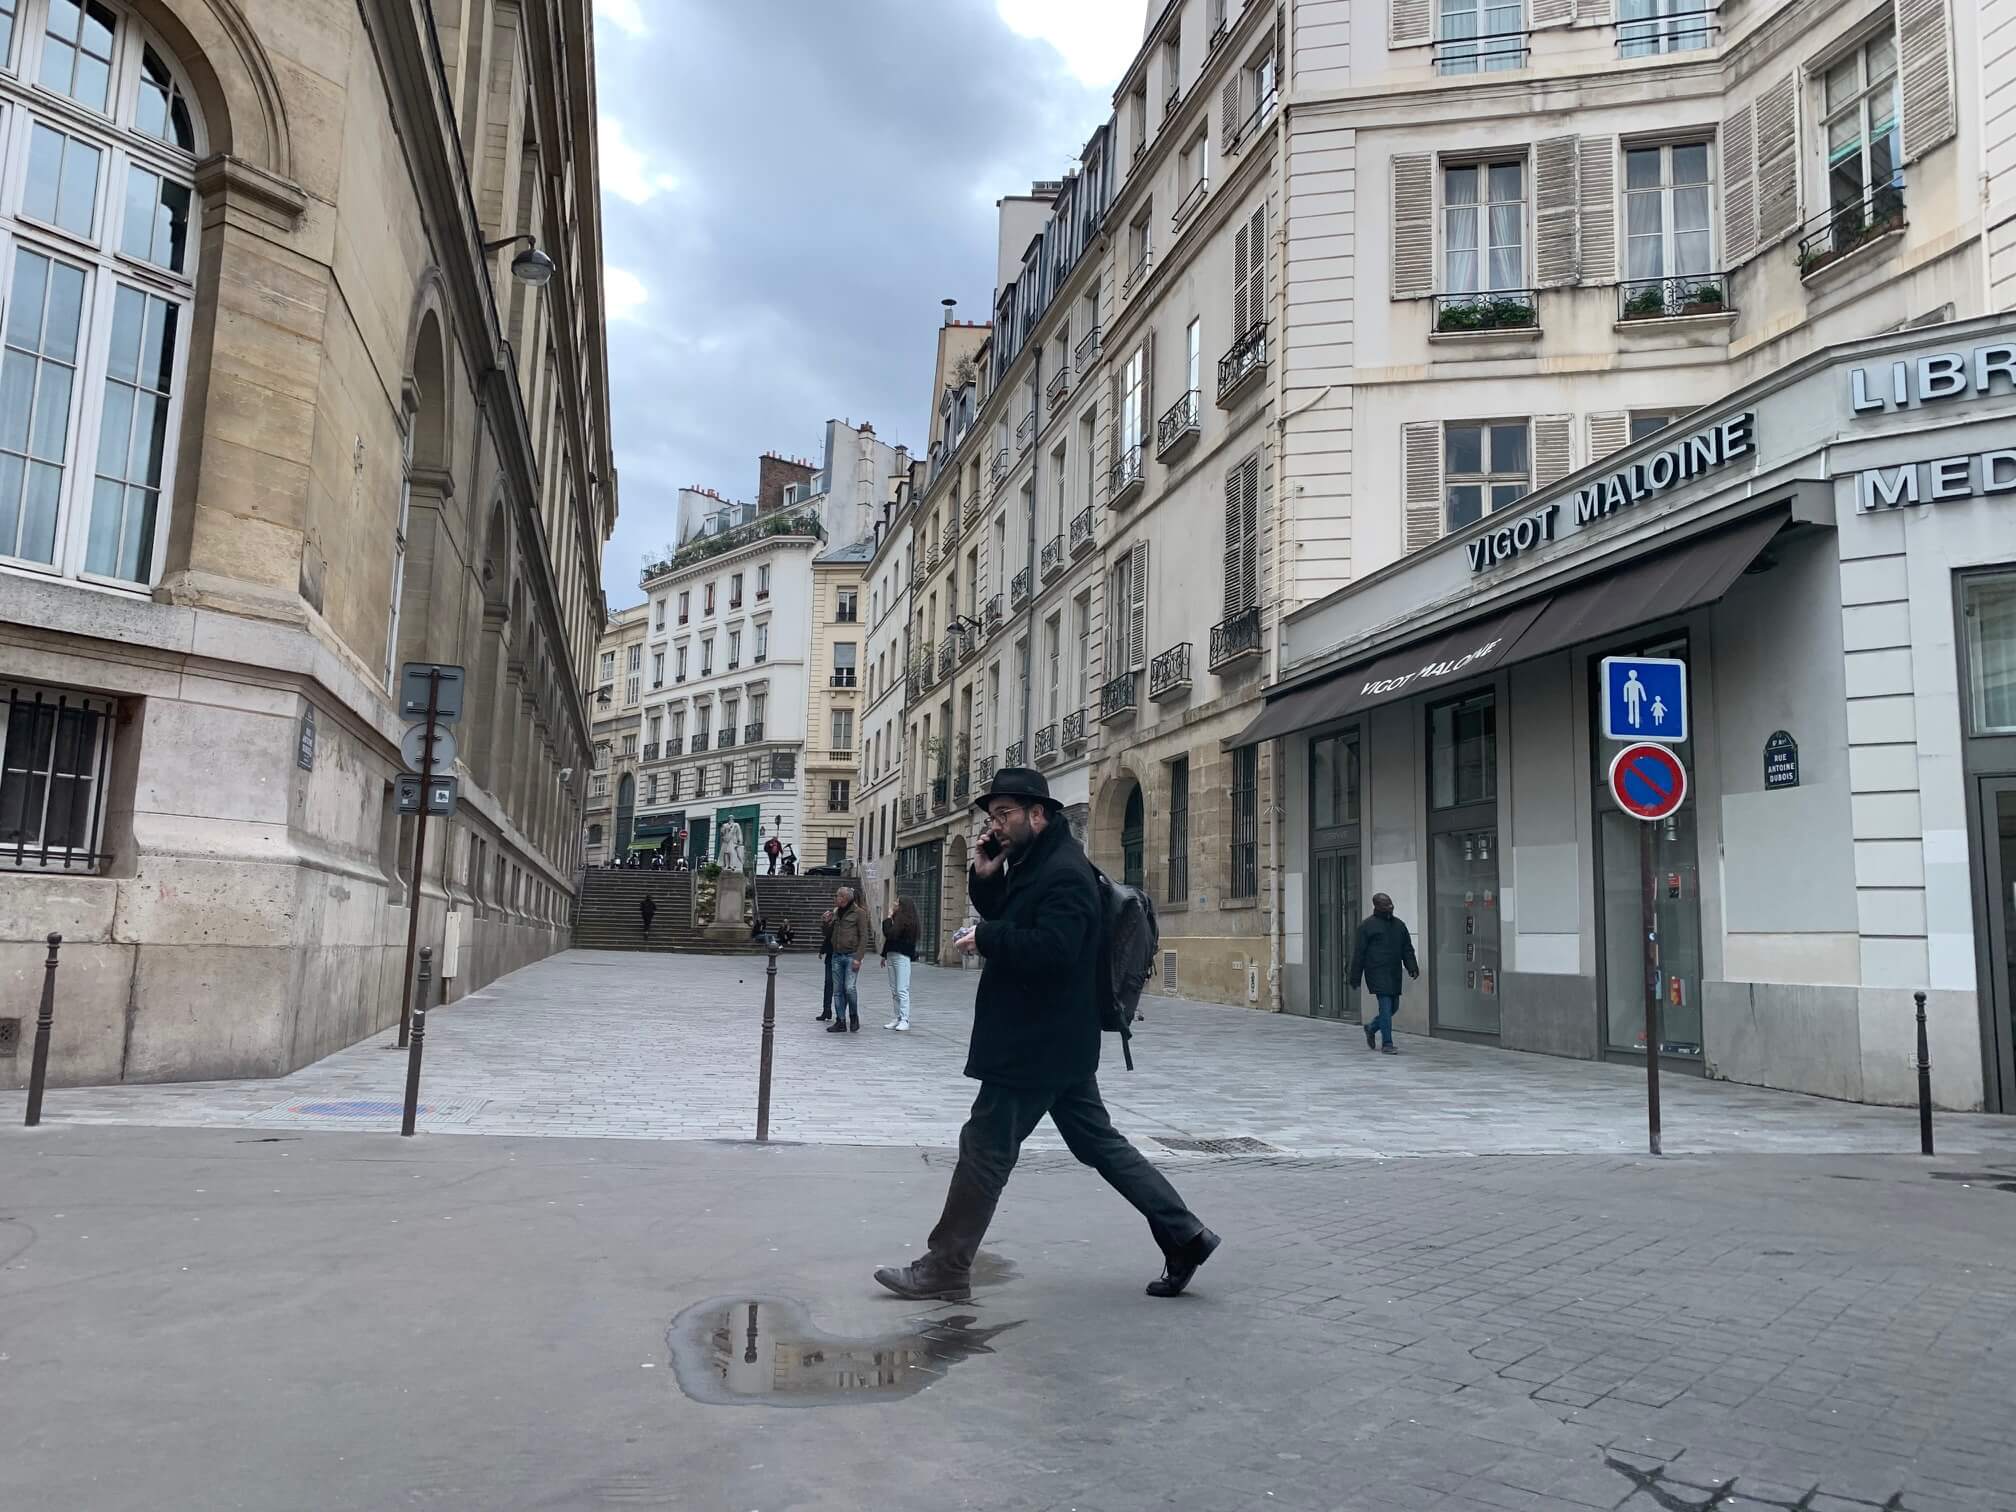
{"points": [[990, 845]]}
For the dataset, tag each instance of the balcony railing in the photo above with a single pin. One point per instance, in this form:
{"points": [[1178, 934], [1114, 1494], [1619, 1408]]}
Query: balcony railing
{"points": [[1493, 53], [912, 685], [1088, 348], [1081, 531], [734, 603], [1235, 639], [843, 677], [752, 734], [998, 473], [725, 739], [929, 560], [927, 664], [1262, 109], [1074, 730], [1129, 473], [1169, 673], [983, 772], [994, 614], [1137, 272], [1025, 433], [1178, 426], [1837, 232], [1120, 697], [762, 594], [974, 508], [953, 526], [650, 750], [1239, 368], [1217, 36], [962, 783], [1053, 557], [701, 740], [1672, 31], [1059, 384], [1046, 745], [1014, 757], [1667, 298], [1187, 206], [1018, 590], [948, 655], [676, 746], [941, 794], [905, 811], [1486, 310]]}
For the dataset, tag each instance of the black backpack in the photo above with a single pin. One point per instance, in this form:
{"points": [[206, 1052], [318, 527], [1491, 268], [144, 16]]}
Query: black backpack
{"points": [[1132, 942]]}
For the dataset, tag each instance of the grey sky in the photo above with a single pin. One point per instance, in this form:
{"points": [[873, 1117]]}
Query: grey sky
{"points": [[789, 188]]}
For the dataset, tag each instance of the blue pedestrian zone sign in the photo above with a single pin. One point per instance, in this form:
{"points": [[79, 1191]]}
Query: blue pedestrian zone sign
{"points": [[1645, 698]]}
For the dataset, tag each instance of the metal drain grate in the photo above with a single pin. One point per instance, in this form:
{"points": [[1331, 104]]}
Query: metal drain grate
{"points": [[1237, 1146], [351, 1110]]}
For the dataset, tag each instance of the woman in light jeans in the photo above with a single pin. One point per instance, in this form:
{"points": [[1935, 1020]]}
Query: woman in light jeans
{"points": [[899, 948]]}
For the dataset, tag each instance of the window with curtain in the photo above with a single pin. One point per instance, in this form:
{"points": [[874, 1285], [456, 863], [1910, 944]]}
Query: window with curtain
{"points": [[1483, 227], [1480, 35], [1666, 211], [1861, 103], [1646, 27]]}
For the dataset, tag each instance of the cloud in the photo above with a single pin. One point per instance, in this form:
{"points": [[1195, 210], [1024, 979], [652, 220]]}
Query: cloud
{"points": [[627, 16], [780, 227], [1096, 40]]}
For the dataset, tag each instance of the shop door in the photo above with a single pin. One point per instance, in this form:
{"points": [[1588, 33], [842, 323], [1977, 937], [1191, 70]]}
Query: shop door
{"points": [[1463, 935], [626, 808], [696, 841], [1998, 869], [1337, 902], [918, 878]]}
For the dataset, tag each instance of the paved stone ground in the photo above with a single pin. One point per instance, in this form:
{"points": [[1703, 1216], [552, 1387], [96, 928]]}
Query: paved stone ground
{"points": [[638, 1046], [262, 1319]]}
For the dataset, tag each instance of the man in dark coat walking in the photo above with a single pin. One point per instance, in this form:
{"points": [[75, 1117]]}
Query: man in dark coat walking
{"points": [[1384, 948], [1035, 1044], [647, 910]]}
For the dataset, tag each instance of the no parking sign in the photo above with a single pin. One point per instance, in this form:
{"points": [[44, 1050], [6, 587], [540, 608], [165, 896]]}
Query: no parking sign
{"points": [[1647, 780]]}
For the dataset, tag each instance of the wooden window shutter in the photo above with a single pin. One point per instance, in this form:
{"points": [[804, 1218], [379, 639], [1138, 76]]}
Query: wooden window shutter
{"points": [[1137, 607], [1596, 10], [1925, 64], [1557, 210], [1739, 187], [1553, 449], [1778, 161], [1256, 270], [1241, 255], [1410, 23], [1421, 465], [1598, 262], [1608, 432], [1249, 530], [1413, 225], [1552, 13], [1234, 577], [1229, 121]]}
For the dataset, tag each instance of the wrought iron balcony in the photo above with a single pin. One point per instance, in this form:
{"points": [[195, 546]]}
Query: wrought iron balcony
{"points": [[1046, 745], [1217, 36], [1235, 639], [676, 746], [1025, 433], [1249, 127], [929, 560], [983, 772], [993, 614], [1244, 366], [1018, 589], [952, 529], [1671, 31], [1178, 427], [843, 677], [701, 741], [1486, 310], [725, 739], [903, 810], [752, 733], [1120, 697], [1137, 272], [1059, 384], [1053, 557], [948, 654], [941, 794], [1081, 531], [927, 664], [1840, 230], [1129, 474], [998, 473], [1187, 206], [1088, 348], [1014, 758], [1169, 673], [962, 783], [1489, 53], [1171, 103], [974, 508], [1074, 730], [912, 685], [734, 603], [969, 642], [1670, 298]]}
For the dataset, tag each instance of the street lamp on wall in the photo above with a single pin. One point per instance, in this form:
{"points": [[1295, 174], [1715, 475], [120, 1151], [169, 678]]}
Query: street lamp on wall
{"points": [[530, 266]]}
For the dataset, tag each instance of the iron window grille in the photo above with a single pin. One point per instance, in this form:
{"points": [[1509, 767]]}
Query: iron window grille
{"points": [[54, 762], [1245, 879]]}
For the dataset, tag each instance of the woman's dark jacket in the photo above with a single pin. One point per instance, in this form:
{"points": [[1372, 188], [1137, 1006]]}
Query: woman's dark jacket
{"points": [[1036, 1015], [895, 939]]}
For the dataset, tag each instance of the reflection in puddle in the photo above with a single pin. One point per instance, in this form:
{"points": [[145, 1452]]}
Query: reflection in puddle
{"points": [[765, 1350]]}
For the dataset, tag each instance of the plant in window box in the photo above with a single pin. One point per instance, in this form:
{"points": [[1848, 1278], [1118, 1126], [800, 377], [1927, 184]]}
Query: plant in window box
{"points": [[1646, 304], [1703, 299]]}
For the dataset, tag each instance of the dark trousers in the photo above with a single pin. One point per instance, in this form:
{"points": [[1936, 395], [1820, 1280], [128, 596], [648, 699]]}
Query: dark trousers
{"points": [[826, 972], [1002, 1118]]}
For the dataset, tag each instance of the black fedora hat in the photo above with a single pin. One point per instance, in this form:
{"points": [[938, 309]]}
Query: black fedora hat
{"points": [[1024, 784]]}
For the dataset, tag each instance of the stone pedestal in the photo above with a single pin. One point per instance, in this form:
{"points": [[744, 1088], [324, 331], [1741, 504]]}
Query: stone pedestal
{"points": [[731, 893]]}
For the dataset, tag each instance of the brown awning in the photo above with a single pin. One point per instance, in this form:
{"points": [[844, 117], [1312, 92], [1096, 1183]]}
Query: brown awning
{"points": [[1452, 656], [1655, 587], [1658, 586]]}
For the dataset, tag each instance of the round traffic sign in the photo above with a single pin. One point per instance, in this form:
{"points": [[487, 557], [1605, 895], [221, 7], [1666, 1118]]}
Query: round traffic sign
{"points": [[1647, 780], [413, 749]]}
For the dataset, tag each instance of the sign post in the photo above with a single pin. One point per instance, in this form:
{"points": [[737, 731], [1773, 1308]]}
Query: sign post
{"points": [[1649, 784], [441, 689]]}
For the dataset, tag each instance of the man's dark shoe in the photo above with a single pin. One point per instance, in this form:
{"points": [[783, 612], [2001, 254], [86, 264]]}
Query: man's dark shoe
{"points": [[825, 1017], [838, 1026], [1390, 1049], [853, 1023], [927, 1281], [1182, 1265], [1371, 1037]]}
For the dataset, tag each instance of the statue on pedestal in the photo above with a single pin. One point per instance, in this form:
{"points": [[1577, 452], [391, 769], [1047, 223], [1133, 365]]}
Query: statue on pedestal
{"points": [[733, 858]]}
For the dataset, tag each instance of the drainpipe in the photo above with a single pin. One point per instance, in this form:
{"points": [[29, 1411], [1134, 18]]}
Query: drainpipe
{"points": [[1035, 506], [1277, 379]]}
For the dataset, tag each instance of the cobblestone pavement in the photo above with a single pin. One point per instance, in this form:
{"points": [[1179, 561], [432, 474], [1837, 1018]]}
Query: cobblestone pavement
{"points": [[204, 1319], [642, 1046]]}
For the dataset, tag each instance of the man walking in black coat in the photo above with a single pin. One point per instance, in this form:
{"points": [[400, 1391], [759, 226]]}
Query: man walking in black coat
{"points": [[1035, 1044], [1384, 948]]}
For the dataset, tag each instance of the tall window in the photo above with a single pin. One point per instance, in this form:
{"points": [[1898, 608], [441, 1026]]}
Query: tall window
{"points": [[734, 649], [759, 704], [762, 641], [1645, 27], [735, 591], [1081, 619], [652, 724], [633, 668], [1479, 34], [657, 669], [1484, 227], [706, 656], [1132, 396], [762, 580], [608, 667], [679, 663], [1666, 211], [1988, 607], [1179, 830], [1484, 462], [1463, 741], [843, 664], [1861, 103], [709, 601], [1245, 879], [1193, 348], [658, 615], [843, 732], [685, 606], [839, 792], [1053, 667], [847, 605]]}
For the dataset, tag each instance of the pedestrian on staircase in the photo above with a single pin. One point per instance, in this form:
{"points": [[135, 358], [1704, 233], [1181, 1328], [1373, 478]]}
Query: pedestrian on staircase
{"points": [[649, 909], [900, 932]]}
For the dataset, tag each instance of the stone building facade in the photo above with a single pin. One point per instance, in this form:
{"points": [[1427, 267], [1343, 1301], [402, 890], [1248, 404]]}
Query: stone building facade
{"points": [[302, 421], [833, 705], [617, 728]]}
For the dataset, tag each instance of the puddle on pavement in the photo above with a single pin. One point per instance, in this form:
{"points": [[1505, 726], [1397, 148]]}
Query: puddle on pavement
{"points": [[766, 1351]]}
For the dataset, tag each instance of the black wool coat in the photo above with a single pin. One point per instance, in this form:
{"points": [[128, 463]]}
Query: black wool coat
{"points": [[1036, 1016], [1383, 948]]}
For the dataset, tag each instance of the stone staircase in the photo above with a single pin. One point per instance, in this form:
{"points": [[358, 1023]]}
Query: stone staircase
{"points": [[802, 900], [608, 916]]}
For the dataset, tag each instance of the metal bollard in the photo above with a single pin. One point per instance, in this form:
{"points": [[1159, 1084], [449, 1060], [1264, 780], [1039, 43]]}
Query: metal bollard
{"points": [[419, 1039], [1924, 1081], [45, 1019], [769, 1038]]}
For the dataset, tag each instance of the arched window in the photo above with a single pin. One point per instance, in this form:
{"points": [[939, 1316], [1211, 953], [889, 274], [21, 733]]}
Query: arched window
{"points": [[97, 272]]}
